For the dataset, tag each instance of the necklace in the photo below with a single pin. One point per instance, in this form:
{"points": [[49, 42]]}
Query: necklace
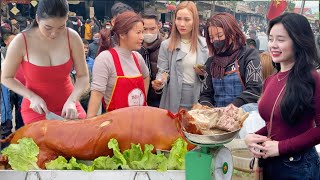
{"points": [[185, 41], [280, 79]]}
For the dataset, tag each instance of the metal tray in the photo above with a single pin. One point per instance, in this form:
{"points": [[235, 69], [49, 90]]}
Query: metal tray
{"points": [[211, 139], [95, 175]]}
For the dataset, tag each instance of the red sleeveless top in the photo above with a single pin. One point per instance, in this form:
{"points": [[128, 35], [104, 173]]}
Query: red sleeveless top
{"points": [[52, 83]]}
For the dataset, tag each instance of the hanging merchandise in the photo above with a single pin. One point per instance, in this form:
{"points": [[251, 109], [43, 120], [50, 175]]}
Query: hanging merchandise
{"points": [[34, 3], [15, 10]]}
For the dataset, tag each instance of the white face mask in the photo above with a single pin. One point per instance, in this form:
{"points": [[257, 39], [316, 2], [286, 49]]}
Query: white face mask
{"points": [[150, 38]]}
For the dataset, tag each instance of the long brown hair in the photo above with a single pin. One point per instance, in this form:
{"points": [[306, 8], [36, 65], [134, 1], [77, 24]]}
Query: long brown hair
{"points": [[123, 24], [105, 40], [267, 66], [175, 35], [231, 30]]}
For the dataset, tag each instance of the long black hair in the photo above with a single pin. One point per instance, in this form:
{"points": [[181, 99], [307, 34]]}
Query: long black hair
{"points": [[51, 9], [300, 86]]}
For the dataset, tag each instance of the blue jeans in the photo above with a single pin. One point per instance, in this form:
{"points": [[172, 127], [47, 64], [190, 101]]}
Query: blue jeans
{"points": [[6, 112], [9, 100], [299, 166]]}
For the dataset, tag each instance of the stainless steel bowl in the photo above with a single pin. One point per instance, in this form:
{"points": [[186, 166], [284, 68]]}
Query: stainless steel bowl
{"points": [[214, 139]]}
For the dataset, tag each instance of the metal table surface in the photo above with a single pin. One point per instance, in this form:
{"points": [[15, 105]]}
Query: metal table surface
{"points": [[95, 175]]}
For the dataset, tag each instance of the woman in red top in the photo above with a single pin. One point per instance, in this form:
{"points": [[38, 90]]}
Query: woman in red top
{"points": [[47, 51], [290, 104], [120, 76]]}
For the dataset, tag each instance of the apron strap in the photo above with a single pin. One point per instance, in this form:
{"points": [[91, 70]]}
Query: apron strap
{"points": [[238, 72], [116, 61], [137, 62]]}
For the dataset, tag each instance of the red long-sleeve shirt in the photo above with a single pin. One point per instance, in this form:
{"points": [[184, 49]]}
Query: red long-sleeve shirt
{"points": [[299, 137]]}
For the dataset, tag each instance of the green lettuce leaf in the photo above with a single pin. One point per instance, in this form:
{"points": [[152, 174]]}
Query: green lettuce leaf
{"points": [[150, 160], [22, 156], [58, 164], [176, 159], [105, 163], [133, 154], [62, 164], [118, 157], [76, 165]]}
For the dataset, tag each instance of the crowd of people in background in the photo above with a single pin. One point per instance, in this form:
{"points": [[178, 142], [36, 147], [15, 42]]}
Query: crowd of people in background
{"points": [[136, 60]]}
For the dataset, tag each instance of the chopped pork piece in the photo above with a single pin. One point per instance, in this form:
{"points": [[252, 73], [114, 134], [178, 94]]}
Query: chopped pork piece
{"points": [[206, 119], [202, 119]]}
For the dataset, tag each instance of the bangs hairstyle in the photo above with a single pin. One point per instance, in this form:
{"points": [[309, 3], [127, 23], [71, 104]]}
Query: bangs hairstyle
{"points": [[231, 30], [123, 24], [175, 35]]}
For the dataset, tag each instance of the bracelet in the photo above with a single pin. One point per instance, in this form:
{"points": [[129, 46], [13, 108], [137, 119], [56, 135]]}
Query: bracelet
{"points": [[158, 92]]}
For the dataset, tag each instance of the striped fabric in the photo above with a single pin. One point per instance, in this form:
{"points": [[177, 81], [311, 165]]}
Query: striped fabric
{"points": [[227, 89]]}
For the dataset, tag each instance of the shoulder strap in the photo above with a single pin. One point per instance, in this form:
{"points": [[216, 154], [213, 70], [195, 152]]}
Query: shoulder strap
{"points": [[274, 105], [69, 41], [116, 61], [137, 62], [25, 42]]}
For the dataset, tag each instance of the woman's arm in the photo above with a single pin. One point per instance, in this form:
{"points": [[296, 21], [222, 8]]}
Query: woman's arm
{"points": [[146, 82], [163, 59], [201, 71], [100, 76], [82, 76], [94, 103], [11, 64], [163, 67], [207, 94], [263, 131], [253, 79], [14, 57]]}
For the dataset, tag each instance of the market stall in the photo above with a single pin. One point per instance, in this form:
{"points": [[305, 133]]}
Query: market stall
{"points": [[165, 139]]}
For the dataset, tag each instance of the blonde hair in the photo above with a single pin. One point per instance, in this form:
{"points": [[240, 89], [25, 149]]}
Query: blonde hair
{"points": [[267, 66], [175, 35]]}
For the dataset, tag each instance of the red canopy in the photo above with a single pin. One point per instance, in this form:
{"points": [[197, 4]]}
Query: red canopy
{"points": [[17, 1]]}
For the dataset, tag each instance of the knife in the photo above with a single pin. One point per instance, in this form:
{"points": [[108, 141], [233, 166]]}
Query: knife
{"points": [[53, 116]]}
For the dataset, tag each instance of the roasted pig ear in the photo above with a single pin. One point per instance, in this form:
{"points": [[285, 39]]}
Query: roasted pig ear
{"points": [[243, 118], [187, 122]]}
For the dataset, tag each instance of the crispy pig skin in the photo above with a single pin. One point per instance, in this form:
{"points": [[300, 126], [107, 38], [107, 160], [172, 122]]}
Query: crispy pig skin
{"points": [[87, 139], [188, 122]]}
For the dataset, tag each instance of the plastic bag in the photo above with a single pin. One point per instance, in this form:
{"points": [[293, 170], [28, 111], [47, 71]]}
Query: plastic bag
{"points": [[253, 123]]}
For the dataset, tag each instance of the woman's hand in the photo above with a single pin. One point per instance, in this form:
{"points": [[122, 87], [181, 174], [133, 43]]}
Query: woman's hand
{"points": [[37, 104], [254, 143], [157, 85], [160, 80], [200, 70], [272, 149], [69, 110]]}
